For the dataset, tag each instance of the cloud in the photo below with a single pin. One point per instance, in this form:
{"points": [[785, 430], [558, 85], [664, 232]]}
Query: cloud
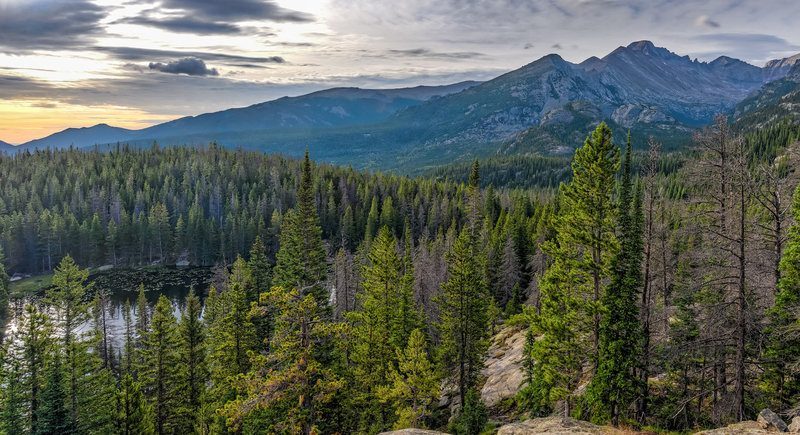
{"points": [[184, 25], [705, 21], [755, 48], [189, 66], [238, 10], [132, 54], [212, 17], [49, 25], [424, 52]]}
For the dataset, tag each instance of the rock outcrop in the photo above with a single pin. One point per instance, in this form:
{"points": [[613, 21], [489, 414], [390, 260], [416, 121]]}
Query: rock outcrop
{"points": [[770, 421], [553, 425], [412, 432], [795, 425], [502, 369]]}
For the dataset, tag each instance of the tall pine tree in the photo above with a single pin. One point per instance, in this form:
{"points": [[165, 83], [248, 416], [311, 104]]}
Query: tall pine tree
{"points": [[301, 258], [616, 385], [464, 324], [158, 372]]}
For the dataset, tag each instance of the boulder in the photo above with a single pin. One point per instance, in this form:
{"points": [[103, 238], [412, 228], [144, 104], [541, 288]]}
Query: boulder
{"points": [[502, 369], [553, 425], [770, 421], [743, 428], [412, 432], [795, 425]]}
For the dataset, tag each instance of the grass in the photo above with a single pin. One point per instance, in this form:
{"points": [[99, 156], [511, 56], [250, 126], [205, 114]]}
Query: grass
{"points": [[28, 286]]}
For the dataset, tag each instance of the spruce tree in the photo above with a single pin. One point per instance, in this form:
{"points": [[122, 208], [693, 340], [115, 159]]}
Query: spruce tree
{"points": [[464, 324], [133, 415], [572, 287], [66, 296], [259, 280], [373, 326], [291, 383], [415, 384], [193, 372], [590, 223], [12, 419], [301, 258], [37, 343], [616, 385], [4, 289], [52, 415], [408, 317], [783, 373], [158, 371]]}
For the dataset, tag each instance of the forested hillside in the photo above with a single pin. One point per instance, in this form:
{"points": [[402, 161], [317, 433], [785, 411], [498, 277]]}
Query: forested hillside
{"points": [[658, 291]]}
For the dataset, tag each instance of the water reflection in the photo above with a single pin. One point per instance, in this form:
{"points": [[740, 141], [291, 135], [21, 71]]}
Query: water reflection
{"points": [[176, 292]]}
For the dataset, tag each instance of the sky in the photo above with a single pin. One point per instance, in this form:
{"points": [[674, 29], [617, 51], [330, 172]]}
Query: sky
{"points": [[135, 63]]}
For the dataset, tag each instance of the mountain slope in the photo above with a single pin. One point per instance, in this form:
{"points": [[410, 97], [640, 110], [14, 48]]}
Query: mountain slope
{"points": [[546, 107], [81, 137], [5, 146], [338, 107], [335, 107], [776, 100]]}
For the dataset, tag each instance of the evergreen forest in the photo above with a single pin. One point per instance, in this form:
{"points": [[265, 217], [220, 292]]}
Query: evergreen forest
{"points": [[654, 290]]}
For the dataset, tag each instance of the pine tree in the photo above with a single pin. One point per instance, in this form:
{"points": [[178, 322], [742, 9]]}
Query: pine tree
{"points": [[158, 371], [133, 414], [408, 317], [259, 271], [12, 419], [301, 258], [234, 334], [464, 325], [783, 374], [4, 288], [193, 372], [415, 384], [473, 417], [130, 342], [37, 345], [290, 383], [52, 415], [373, 326], [572, 287], [590, 223], [66, 296], [259, 281], [616, 384]]}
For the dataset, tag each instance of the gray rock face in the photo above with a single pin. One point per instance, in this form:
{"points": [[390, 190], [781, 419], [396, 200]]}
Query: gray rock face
{"points": [[502, 369], [770, 421], [628, 115]]}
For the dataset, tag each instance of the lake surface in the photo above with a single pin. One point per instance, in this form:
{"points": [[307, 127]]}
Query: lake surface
{"points": [[123, 286]]}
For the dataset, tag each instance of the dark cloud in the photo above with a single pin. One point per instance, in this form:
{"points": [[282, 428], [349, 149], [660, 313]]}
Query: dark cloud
{"points": [[705, 21], [184, 25], [49, 25], [528, 46], [556, 46], [210, 17], [424, 52], [189, 66], [238, 10], [132, 54]]}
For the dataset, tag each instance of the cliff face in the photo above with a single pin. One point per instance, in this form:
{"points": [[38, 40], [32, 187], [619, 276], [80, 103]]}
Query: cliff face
{"points": [[502, 369]]}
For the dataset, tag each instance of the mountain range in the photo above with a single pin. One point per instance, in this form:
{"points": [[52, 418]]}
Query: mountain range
{"points": [[545, 107]]}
